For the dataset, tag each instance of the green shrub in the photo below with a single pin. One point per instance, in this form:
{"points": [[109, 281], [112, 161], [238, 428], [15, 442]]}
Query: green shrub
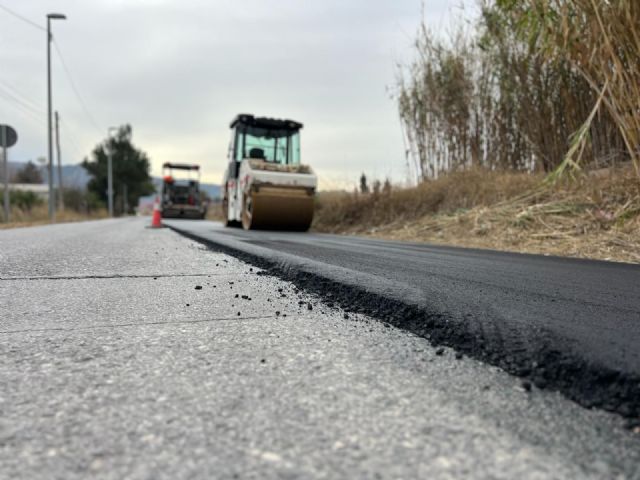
{"points": [[81, 201], [23, 200]]}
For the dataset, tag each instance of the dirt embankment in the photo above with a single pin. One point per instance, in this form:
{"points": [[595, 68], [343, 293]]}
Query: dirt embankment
{"points": [[594, 216]]}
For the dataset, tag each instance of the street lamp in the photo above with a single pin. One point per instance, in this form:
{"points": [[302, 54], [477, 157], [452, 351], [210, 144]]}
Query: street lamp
{"points": [[50, 16], [110, 170]]}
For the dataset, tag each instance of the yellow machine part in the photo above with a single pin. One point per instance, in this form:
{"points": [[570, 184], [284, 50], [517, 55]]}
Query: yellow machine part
{"points": [[278, 208]]}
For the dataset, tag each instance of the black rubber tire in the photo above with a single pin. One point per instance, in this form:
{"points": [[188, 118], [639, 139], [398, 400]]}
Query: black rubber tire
{"points": [[232, 223], [246, 214]]}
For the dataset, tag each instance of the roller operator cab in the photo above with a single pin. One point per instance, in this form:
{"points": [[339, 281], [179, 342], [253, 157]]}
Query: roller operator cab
{"points": [[265, 185], [181, 196]]}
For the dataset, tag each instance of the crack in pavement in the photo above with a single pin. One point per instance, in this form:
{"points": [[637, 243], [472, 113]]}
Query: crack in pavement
{"points": [[132, 324], [114, 276]]}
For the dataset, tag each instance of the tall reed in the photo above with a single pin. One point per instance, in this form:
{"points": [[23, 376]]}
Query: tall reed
{"points": [[524, 89]]}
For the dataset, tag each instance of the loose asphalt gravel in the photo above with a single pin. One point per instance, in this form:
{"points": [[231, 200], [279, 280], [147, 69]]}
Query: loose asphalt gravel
{"points": [[114, 365]]}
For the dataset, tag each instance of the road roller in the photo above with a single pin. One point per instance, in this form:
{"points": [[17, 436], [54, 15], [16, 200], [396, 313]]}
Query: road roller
{"points": [[265, 184]]}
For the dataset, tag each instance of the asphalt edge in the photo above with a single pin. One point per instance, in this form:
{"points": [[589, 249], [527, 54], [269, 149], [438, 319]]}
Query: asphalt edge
{"points": [[589, 385]]}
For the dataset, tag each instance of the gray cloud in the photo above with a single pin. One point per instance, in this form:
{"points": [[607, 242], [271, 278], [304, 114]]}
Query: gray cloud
{"points": [[178, 71]]}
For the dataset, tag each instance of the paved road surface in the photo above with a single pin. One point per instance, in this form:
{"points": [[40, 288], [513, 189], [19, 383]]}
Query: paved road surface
{"points": [[566, 324], [115, 366]]}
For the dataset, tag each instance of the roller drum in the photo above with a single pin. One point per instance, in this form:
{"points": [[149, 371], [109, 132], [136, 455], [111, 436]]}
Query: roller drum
{"points": [[278, 209]]}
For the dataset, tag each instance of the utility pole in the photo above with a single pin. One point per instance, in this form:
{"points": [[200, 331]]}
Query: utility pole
{"points": [[110, 180], [8, 138], [125, 200], [60, 184], [110, 170], [5, 171], [52, 208]]}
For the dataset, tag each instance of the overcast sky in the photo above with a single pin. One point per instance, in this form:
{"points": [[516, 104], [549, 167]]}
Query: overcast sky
{"points": [[179, 70]]}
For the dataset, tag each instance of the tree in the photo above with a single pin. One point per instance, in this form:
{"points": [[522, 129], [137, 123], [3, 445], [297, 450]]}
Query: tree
{"points": [[376, 187], [364, 187], [81, 200], [386, 189], [130, 168], [30, 173]]}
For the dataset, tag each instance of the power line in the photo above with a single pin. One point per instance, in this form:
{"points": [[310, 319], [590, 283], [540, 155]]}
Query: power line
{"points": [[24, 19], [75, 89], [22, 109], [22, 98], [24, 106]]}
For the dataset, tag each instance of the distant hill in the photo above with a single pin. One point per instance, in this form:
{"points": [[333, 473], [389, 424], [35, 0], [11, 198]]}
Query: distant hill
{"points": [[13, 168], [75, 176], [212, 190]]}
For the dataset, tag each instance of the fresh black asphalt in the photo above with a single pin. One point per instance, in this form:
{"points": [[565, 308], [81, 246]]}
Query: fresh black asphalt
{"points": [[562, 324]]}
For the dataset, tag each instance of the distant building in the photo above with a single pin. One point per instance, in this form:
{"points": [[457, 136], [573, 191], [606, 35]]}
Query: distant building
{"points": [[42, 191]]}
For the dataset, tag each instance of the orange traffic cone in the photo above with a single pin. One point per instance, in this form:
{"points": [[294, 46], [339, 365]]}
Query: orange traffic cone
{"points": [[156, 220]]}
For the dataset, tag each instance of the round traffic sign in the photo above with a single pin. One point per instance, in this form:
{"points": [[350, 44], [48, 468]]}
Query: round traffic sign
{"points": [[8, 136]]}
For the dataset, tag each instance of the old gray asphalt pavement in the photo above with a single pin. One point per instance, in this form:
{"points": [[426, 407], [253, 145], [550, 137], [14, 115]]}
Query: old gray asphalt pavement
{"points": [[115, 366]]}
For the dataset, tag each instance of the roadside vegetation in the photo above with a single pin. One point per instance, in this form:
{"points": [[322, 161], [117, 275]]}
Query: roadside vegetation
{"points": [[131, 168], [593, 216], [28, 209], [39, 215], [521, 132]]}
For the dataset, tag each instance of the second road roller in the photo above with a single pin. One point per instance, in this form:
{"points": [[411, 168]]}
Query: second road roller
{"points": [[265, 184]]}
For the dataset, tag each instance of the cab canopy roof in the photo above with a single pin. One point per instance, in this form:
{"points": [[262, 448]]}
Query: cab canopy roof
{"points": [[181, 166], [245, 119]]}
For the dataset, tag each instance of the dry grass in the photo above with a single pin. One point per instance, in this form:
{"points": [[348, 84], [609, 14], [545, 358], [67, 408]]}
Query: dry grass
{"points": [[39, 215], [337, 211], [214, 212], [596, 216]]}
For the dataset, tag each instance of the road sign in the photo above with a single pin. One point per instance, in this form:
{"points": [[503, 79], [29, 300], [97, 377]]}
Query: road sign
{"points": [[8, 136]]}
